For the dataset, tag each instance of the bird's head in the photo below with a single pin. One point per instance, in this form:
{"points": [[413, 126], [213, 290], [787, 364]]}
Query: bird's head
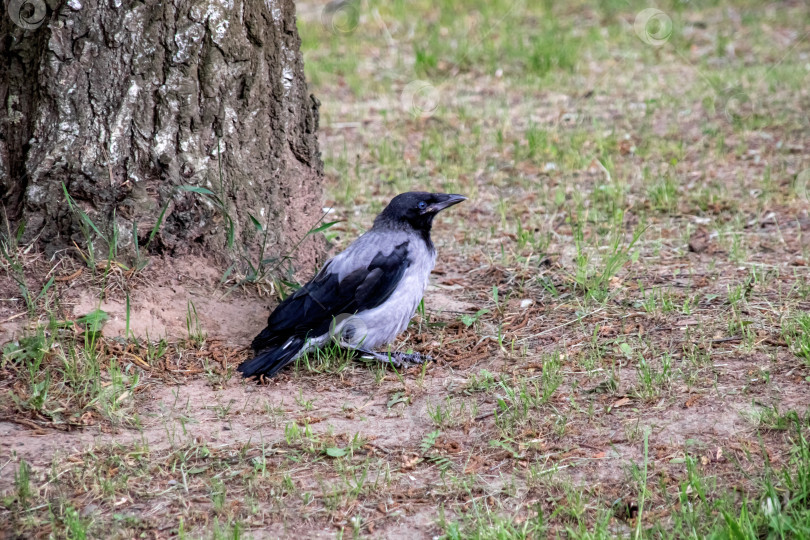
{"points": [[417, 209]]}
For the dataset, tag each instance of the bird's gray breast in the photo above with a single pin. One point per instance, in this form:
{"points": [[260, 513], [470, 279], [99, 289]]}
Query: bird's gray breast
{"points": [[381, 325]]}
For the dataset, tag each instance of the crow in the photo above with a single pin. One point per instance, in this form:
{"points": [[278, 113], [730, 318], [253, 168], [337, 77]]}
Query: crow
{"points": [[363, 297]]}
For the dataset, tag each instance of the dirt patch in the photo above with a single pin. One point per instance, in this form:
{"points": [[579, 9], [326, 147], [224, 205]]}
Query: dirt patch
{"points": [[163, 299], [165, 308]]}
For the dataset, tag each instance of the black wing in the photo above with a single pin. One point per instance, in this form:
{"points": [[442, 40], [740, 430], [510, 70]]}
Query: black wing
{"points": [[312, 308]]}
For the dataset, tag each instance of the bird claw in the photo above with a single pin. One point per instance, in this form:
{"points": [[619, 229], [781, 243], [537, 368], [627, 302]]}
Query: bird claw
{"points": [[398, 359], [401, 359]]}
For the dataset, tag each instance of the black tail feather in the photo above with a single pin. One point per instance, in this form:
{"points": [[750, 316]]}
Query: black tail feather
{"points": [[269, 361], [265, 340]]}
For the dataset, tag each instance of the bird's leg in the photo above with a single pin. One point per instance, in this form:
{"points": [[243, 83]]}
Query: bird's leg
{"points": [[396, 359]]}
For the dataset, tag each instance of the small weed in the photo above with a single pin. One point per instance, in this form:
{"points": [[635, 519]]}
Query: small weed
{"points": [[330, 359], [452, 413], [306, 404], [796, 332], [483, 381], [22, 482], [653, 381], [194, 331], [525, 394], [594, 272], [470, 320], [664, 195]]}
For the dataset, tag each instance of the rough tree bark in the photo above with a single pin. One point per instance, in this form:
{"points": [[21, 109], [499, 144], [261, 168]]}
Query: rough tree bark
{"points": [[125, 101]]}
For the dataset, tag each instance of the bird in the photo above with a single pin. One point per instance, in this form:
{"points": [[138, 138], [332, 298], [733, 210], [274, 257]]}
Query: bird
{"points": [[363, 297]]}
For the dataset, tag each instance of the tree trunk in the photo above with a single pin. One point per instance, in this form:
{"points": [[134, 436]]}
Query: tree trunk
{"points": [[122, 102]]}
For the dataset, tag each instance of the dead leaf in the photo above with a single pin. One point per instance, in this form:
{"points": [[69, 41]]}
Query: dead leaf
{"points": [[473, 465], [699, 241], [691, 401], [69, 277], [408, 462], [621, 402]]}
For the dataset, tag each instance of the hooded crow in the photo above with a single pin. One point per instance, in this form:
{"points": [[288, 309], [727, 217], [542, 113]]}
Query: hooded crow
{"points": [[363, 297]]}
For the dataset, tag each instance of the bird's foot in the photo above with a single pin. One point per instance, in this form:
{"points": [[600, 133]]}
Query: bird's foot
{"points": [[408, 359], [397, 359]]}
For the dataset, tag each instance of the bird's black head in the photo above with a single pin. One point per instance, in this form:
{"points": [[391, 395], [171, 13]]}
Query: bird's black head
{"points": [[416, 209]]}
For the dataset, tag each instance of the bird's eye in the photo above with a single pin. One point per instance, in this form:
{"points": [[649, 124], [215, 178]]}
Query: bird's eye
{"points": [[422, 205]]}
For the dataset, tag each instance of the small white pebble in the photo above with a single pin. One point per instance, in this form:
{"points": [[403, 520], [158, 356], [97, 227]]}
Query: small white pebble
{"points": [[770, 506], [526, 303]]}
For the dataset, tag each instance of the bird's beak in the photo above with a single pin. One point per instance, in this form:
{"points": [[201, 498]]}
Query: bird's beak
{"points": [[445, 201]]}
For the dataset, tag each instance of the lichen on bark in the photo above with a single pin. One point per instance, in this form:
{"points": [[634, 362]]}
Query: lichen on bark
{"points": [[124, 102]]}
